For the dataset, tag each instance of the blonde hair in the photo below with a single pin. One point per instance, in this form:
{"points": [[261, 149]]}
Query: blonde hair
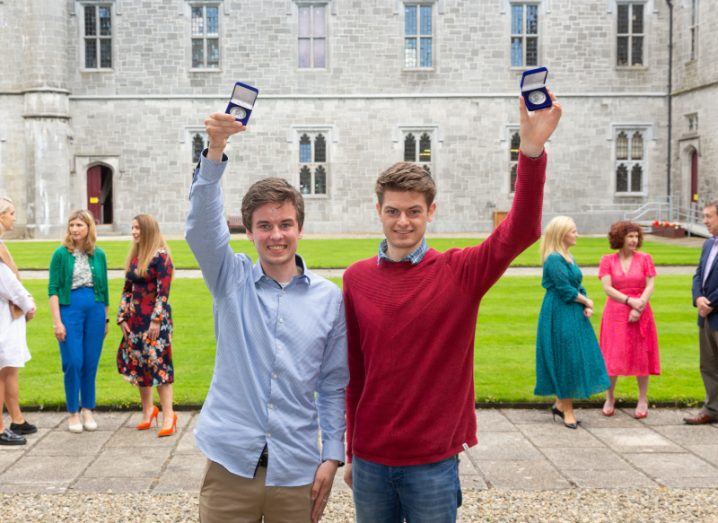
{"points": [[151, 241], [5, 206], [88, 244], [552, 240]]}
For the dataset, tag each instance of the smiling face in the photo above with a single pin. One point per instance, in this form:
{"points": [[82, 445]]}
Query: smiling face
{"points": [[710, 220], [630, 242], [275, 234], [404, 216], [136, 233], [7, 219], [569, 239], [78, 230]]}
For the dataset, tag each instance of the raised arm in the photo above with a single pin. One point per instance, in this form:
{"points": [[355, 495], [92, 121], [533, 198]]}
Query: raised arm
{"points": [[206, 230], [482, 265]]}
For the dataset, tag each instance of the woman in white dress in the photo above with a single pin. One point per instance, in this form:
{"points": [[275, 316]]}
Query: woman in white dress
{"points": [[16, 307]]}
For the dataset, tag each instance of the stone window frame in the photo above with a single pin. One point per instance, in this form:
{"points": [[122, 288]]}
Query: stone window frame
{"points": [[191, 4], [647, 136], [328, 132], [630, 35], [328, 6], [418, 36], [692, 122], [693, 30], [523, 34], [82, 37]]}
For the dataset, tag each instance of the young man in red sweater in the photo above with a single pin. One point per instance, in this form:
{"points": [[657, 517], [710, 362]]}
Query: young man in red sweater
{"points": [[411, 321]]}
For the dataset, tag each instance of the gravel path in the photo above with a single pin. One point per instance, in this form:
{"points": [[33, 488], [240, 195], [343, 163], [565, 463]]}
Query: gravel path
{"points": [[585, 505]]}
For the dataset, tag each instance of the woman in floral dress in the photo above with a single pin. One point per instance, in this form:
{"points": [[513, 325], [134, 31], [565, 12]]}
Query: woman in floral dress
{"points": [[145, 354]]}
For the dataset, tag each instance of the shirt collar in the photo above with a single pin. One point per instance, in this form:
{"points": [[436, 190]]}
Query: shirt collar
{"points": [[305, 275], [414, 257]]}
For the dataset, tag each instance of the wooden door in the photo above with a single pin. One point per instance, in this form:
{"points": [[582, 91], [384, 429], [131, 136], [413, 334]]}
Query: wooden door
{"points": [[94, 191], [694, 176]]}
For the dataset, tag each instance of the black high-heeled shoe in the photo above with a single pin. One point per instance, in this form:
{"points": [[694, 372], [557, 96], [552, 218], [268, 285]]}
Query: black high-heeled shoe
{"points": [[556, 412], [572, 425]]}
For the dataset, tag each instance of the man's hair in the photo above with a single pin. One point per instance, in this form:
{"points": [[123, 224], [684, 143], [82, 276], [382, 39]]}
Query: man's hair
{"points": [[271, 190], [619, 230], [406, 176], [712, 203]]}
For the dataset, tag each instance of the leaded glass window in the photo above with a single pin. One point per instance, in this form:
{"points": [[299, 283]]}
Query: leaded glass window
{"points": [[198, 145], [694, 30], [312, 36], [629, 34], [97, 36], [421, 148], [524, 35], [313, 163], [205, 36], [513, 159], [630, 159], [418, 36]]}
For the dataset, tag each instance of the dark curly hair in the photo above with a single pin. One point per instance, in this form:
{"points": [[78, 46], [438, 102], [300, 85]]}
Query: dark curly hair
{"points": [[619, 230]]}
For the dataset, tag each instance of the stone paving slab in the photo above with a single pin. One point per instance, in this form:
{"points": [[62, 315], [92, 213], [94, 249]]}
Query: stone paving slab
{"points": [[518, 450]]}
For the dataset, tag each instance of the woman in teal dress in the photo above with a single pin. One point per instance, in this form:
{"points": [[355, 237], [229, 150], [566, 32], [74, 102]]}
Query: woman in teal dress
{"points": [[569, 364]]}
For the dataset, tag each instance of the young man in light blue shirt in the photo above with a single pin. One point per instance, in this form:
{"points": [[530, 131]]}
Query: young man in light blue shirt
{"points": [[281, 354]]}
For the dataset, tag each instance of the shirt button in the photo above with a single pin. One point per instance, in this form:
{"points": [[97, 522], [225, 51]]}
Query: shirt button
{"points": [[274, 375], [269, 434], [271, 406], [281, 320]]}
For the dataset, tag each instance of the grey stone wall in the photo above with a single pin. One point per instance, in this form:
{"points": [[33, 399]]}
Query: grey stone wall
{"points": [[137, 117]]}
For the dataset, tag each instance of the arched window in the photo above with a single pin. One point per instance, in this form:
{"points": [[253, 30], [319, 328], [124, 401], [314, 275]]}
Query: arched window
{"points": [[313, 162], [420, 151], [197, 147], [409, 148], [513, 160], [629, 161]]}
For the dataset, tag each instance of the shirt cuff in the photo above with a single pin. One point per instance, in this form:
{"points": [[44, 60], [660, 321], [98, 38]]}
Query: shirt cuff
{"points": [[210, 171], [333, 450]]}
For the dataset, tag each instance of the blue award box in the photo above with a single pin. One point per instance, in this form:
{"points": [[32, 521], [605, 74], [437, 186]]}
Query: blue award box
{"points": [[533, 89], [242, 101]]}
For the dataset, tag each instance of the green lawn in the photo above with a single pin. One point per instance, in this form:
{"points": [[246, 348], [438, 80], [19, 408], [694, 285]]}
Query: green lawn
{"points": [[338, 253], [504, 368]]}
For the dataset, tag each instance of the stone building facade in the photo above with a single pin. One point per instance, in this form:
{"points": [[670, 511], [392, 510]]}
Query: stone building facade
{"points": [[102, 103]]}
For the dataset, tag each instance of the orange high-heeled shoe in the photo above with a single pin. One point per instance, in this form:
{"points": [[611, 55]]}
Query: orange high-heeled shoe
{"points": [[168, 432], [147, 424]]}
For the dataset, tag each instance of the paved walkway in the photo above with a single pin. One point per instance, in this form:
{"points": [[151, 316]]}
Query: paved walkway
{"points": [[518, 450]]}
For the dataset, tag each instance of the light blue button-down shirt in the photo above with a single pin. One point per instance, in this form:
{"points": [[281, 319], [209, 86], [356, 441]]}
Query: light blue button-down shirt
{"points": [[276, 347], [414, 256]]}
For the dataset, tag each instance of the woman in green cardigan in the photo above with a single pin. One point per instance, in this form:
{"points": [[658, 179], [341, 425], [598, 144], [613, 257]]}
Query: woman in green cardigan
{"points": [[78, 302]]}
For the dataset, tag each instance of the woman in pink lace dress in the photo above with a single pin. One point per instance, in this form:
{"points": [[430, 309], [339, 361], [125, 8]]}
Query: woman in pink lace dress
{"points": [[629, 341]]}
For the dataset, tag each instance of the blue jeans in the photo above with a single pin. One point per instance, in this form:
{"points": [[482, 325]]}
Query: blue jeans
{"points": [[84, 321], [417, 493]]}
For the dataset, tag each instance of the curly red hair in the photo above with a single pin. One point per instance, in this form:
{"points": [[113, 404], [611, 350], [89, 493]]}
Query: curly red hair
{"points": [[619, 230]]}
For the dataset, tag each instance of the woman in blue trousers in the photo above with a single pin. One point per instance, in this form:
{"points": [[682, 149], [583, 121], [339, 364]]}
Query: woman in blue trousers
{"points": [[78, 302]]}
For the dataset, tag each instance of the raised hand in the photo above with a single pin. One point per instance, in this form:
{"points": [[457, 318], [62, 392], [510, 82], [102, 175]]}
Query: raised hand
{"points": [[537, 126], [220, 127]]}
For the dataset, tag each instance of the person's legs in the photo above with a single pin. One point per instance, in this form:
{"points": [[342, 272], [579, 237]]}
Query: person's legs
{"points": [[7, 437], [147, 403], [226, 497], [12, 395], [569, 417], [376, 498], [642, 405], [93, 337], [287, 504], [609, 406], [430, 493], [168, 414], [71, 355], [709, 369]]}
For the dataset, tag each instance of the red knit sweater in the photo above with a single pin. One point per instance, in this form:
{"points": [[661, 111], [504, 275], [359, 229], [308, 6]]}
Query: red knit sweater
{"points": [[411, 331]]}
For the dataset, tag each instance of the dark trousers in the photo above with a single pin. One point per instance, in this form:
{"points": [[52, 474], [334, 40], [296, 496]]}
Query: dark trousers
{"points": [[708, 340]]}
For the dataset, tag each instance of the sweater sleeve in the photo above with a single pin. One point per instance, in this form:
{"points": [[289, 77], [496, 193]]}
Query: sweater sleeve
{"points": [[479, 267], [356, 367], [53, 285], [556, 275]]}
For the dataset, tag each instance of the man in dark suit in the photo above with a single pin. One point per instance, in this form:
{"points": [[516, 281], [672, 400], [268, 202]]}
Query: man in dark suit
{"points": [[705, 298]]}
